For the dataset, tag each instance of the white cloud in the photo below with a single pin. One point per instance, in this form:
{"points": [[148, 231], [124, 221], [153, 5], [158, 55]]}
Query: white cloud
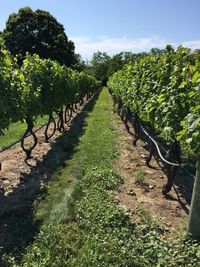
{"points": [[192, 44], [87, 46]]}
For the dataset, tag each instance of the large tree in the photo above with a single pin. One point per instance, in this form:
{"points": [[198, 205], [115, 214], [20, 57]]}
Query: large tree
{"points": [[38, 32]]}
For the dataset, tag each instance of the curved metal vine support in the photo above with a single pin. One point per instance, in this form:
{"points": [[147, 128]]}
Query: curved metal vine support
{"points": [[50, 120], [29, 131], [67, 114], [60, 122], [72, 108], [75, 106], [81, 102]]}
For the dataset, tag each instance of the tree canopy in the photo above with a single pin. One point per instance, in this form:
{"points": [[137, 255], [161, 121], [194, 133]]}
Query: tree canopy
{"points": [[38, 32], [102, 66]]}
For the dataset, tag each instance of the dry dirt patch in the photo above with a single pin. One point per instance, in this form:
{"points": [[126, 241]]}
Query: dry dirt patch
{"points": [[17, 176], [142, 187]]}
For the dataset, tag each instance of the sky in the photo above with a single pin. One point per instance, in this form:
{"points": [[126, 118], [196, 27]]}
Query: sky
{"points": [[113, 26]]}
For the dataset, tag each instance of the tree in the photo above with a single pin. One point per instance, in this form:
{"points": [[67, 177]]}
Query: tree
{"points": [[80, 64], [38, 32], [116, 63], [103, 66], [99, 66]]}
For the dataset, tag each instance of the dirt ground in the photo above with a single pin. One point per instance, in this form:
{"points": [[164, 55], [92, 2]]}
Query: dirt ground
{"points": [[24, 184], [142, 188], [17, 178]]}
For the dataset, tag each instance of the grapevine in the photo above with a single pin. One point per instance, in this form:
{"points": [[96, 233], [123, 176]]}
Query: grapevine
{"points": [[39, 87]]}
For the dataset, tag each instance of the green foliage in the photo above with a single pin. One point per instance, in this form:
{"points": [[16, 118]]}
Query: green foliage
{"points": [[10, 95], [38, 88], [99, 66], [106, 178], [163, 88], [48, 85], [190, 132], [38, 33], [80, 64], [103, 66], [115, 63], [102, 235]]}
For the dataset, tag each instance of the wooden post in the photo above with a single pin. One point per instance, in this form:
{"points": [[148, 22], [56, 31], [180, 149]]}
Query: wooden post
{"points": [[194, 217]]}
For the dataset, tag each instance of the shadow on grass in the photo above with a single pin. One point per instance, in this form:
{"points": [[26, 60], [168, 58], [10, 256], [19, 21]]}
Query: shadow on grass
{"points": [[18, 225]]}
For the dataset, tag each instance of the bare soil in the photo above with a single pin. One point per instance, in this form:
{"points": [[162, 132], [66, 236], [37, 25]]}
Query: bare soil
{"points": [[23, 183], [20, 182], [18, 175], [170, 211]]}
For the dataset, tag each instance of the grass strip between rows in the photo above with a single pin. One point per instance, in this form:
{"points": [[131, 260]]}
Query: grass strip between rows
{"points": [[100, 233]]}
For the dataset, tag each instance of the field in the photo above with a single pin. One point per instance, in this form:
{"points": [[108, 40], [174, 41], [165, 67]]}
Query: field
{"points": [[88, 199]]}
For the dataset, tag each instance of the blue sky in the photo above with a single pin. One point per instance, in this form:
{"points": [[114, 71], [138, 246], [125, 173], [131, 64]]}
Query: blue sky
{"points": [[120, 25]]}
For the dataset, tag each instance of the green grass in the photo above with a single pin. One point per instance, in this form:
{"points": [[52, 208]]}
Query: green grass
{"points": [[17, 129], [82, 223], [92, 143], [95, 148]]}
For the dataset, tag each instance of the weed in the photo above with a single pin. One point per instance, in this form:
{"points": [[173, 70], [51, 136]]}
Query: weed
{"points": [[139, 177]]}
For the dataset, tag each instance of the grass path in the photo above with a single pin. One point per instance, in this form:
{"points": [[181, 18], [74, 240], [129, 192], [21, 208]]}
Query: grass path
{"points": [[94, 230], [95, 148]]}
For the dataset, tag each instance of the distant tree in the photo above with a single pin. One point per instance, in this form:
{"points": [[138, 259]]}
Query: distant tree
{"points": [[129, 57], [169, 49], [115, 63], [157, 51], [38, 32], [80, 64], [103, 66], [119, 60], [99, 66]]}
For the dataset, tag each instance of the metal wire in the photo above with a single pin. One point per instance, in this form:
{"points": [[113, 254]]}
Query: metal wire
{"points": [[157, 147], [160, 154]]}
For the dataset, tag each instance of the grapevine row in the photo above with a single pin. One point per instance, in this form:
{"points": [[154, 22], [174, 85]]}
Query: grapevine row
{"points": [[163, 89], [39, 87]]}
